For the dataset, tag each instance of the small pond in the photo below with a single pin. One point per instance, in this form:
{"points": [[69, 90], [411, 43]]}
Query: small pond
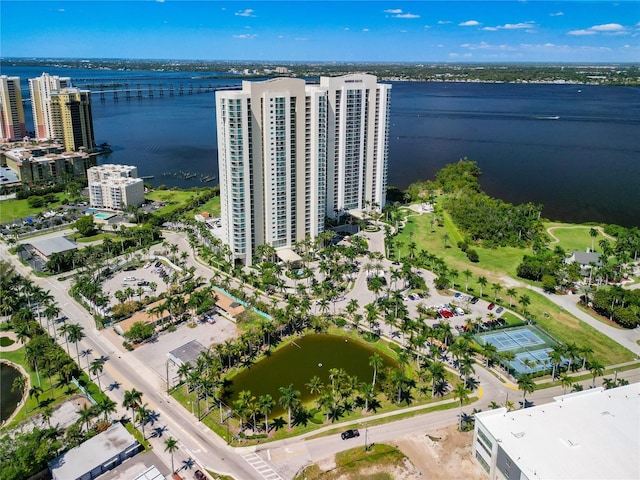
{"points": [[300, 360], [8, 399]]}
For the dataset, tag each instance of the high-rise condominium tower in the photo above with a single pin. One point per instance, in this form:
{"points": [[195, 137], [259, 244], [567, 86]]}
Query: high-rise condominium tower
{"points": [[61, 112], [272, 161], [41, 89], [358, 130], [11, 110], [290, 154]]}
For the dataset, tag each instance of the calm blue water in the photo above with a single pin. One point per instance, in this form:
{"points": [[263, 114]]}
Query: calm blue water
{"points": [[582, 166]]}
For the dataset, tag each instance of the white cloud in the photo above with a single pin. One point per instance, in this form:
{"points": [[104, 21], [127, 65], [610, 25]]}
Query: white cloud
{"points": [[469, 23], [61, 10], [511, 26], [579, 33], [346, 29], [427, 27], [488, 46], [365, 29], [245, 13], [398, 13], [444, 22], [556, 14], [244, 36], [607, 28], [159, 1]]}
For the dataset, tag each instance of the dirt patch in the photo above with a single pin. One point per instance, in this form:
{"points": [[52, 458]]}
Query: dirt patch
{"points": [[444, 454]]}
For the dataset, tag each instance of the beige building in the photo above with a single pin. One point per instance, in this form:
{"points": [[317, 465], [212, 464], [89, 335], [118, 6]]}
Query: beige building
{"points": [[12, 125], [115, 187], [62, 112], [46, 163]]}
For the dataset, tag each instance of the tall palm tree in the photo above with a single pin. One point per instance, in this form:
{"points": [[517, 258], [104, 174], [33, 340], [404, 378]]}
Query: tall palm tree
{"points": [[512, 292], [142, 415], [96, 368], [265, 407], [483, 283], [85, 415], [376, 362], [526, 385], [565, 381], [596, 368], [76, 334], [64, 330], [106, 406], [467, 274], [524, 301], [171, 445], [461, 393], [289, 399], [132, 399], [593, 233]]}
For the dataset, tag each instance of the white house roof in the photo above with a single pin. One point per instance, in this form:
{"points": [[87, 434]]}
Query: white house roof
{"points": [[592, 434], [49, 246]]}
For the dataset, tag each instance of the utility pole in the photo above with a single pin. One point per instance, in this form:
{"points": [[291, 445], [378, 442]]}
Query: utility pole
{"points": [[366, 432]]}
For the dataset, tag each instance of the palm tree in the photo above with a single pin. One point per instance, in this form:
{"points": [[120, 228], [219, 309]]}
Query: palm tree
{"points": [[496, 287], [96, 368], [460, 392], [142, 416], [36, 391], [106, 406], [593, 233], [512, 292], [315, 385], [597, 369], [64, 330], [483, 283], [565, 381], [526, 385], [290, 399], [85, 415], [171, 445], [265, 407], [467, 274], [75, 334], [132, 399], [376, 362], [525, 301]]}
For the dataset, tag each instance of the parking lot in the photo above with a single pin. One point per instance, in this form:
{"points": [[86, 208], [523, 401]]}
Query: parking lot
{"points": [[137, 278], [154, 354]]}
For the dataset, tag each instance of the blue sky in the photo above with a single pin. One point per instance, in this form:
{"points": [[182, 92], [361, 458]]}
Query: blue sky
{"points": [[389, 31]]}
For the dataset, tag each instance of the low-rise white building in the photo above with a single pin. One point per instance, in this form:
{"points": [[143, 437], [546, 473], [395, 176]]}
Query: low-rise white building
{"points": [[593, 434], [115, 187]]}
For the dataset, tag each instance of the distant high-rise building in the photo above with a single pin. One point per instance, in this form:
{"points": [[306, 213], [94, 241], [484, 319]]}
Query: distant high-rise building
{"points": [[12, 125], [61, 112], [357, 150], [291, 154], [41, 89], [72, 118]]}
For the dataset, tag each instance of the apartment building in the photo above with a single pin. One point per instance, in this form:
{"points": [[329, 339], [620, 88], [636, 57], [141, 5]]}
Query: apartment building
{"points": [[62, 112], [272, 161], [45, 163], [291, 153], [12, 126], [115, 187]]}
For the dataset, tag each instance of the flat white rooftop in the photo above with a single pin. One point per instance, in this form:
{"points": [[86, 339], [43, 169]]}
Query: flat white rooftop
{"points": [[594, 434]]}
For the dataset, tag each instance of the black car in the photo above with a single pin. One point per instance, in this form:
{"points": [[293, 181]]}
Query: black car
{"points": [[474, 300], [198, 475], [350, 434]]}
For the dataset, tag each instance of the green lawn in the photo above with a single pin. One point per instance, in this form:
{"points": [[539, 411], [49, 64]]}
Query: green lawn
{"points": [[495, 264], [15, 209], [574, 237], [212, 207], [94, 238], [173, 199]]}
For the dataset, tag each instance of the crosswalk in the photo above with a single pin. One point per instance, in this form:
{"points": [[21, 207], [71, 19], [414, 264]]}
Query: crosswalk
{"points": [[261, 467]]}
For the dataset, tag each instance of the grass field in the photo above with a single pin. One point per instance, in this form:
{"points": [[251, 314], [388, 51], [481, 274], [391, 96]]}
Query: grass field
{"points": [[173, 199], [574, 237], [498, 264], [11, 210]]}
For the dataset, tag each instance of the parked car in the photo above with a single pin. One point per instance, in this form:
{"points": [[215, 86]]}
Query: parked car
{"points": [[350, 434], [491, 305], [499, 310], [475, 300], [198, 475]]}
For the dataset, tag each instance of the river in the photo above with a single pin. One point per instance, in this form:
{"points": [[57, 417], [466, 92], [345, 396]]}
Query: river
{"points": [[573, 148]]}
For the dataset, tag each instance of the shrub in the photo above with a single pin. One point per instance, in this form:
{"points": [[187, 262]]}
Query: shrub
{"points": [[472, 255]]}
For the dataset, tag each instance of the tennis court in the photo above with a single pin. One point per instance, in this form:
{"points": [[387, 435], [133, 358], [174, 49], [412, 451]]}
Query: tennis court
{"points": [[530, 345]]}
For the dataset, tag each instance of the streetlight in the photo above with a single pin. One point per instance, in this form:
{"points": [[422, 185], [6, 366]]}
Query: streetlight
{"points": [[366, 432]]}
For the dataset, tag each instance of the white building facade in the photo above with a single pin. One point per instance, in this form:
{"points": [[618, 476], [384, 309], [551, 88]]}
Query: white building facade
{"points": [[12, 126], [115, 187], [593, 434], [275, 139], [41, 89]]}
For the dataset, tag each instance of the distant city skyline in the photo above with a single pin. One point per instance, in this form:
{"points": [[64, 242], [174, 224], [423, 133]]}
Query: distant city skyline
{"points": [[342, 31]]}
